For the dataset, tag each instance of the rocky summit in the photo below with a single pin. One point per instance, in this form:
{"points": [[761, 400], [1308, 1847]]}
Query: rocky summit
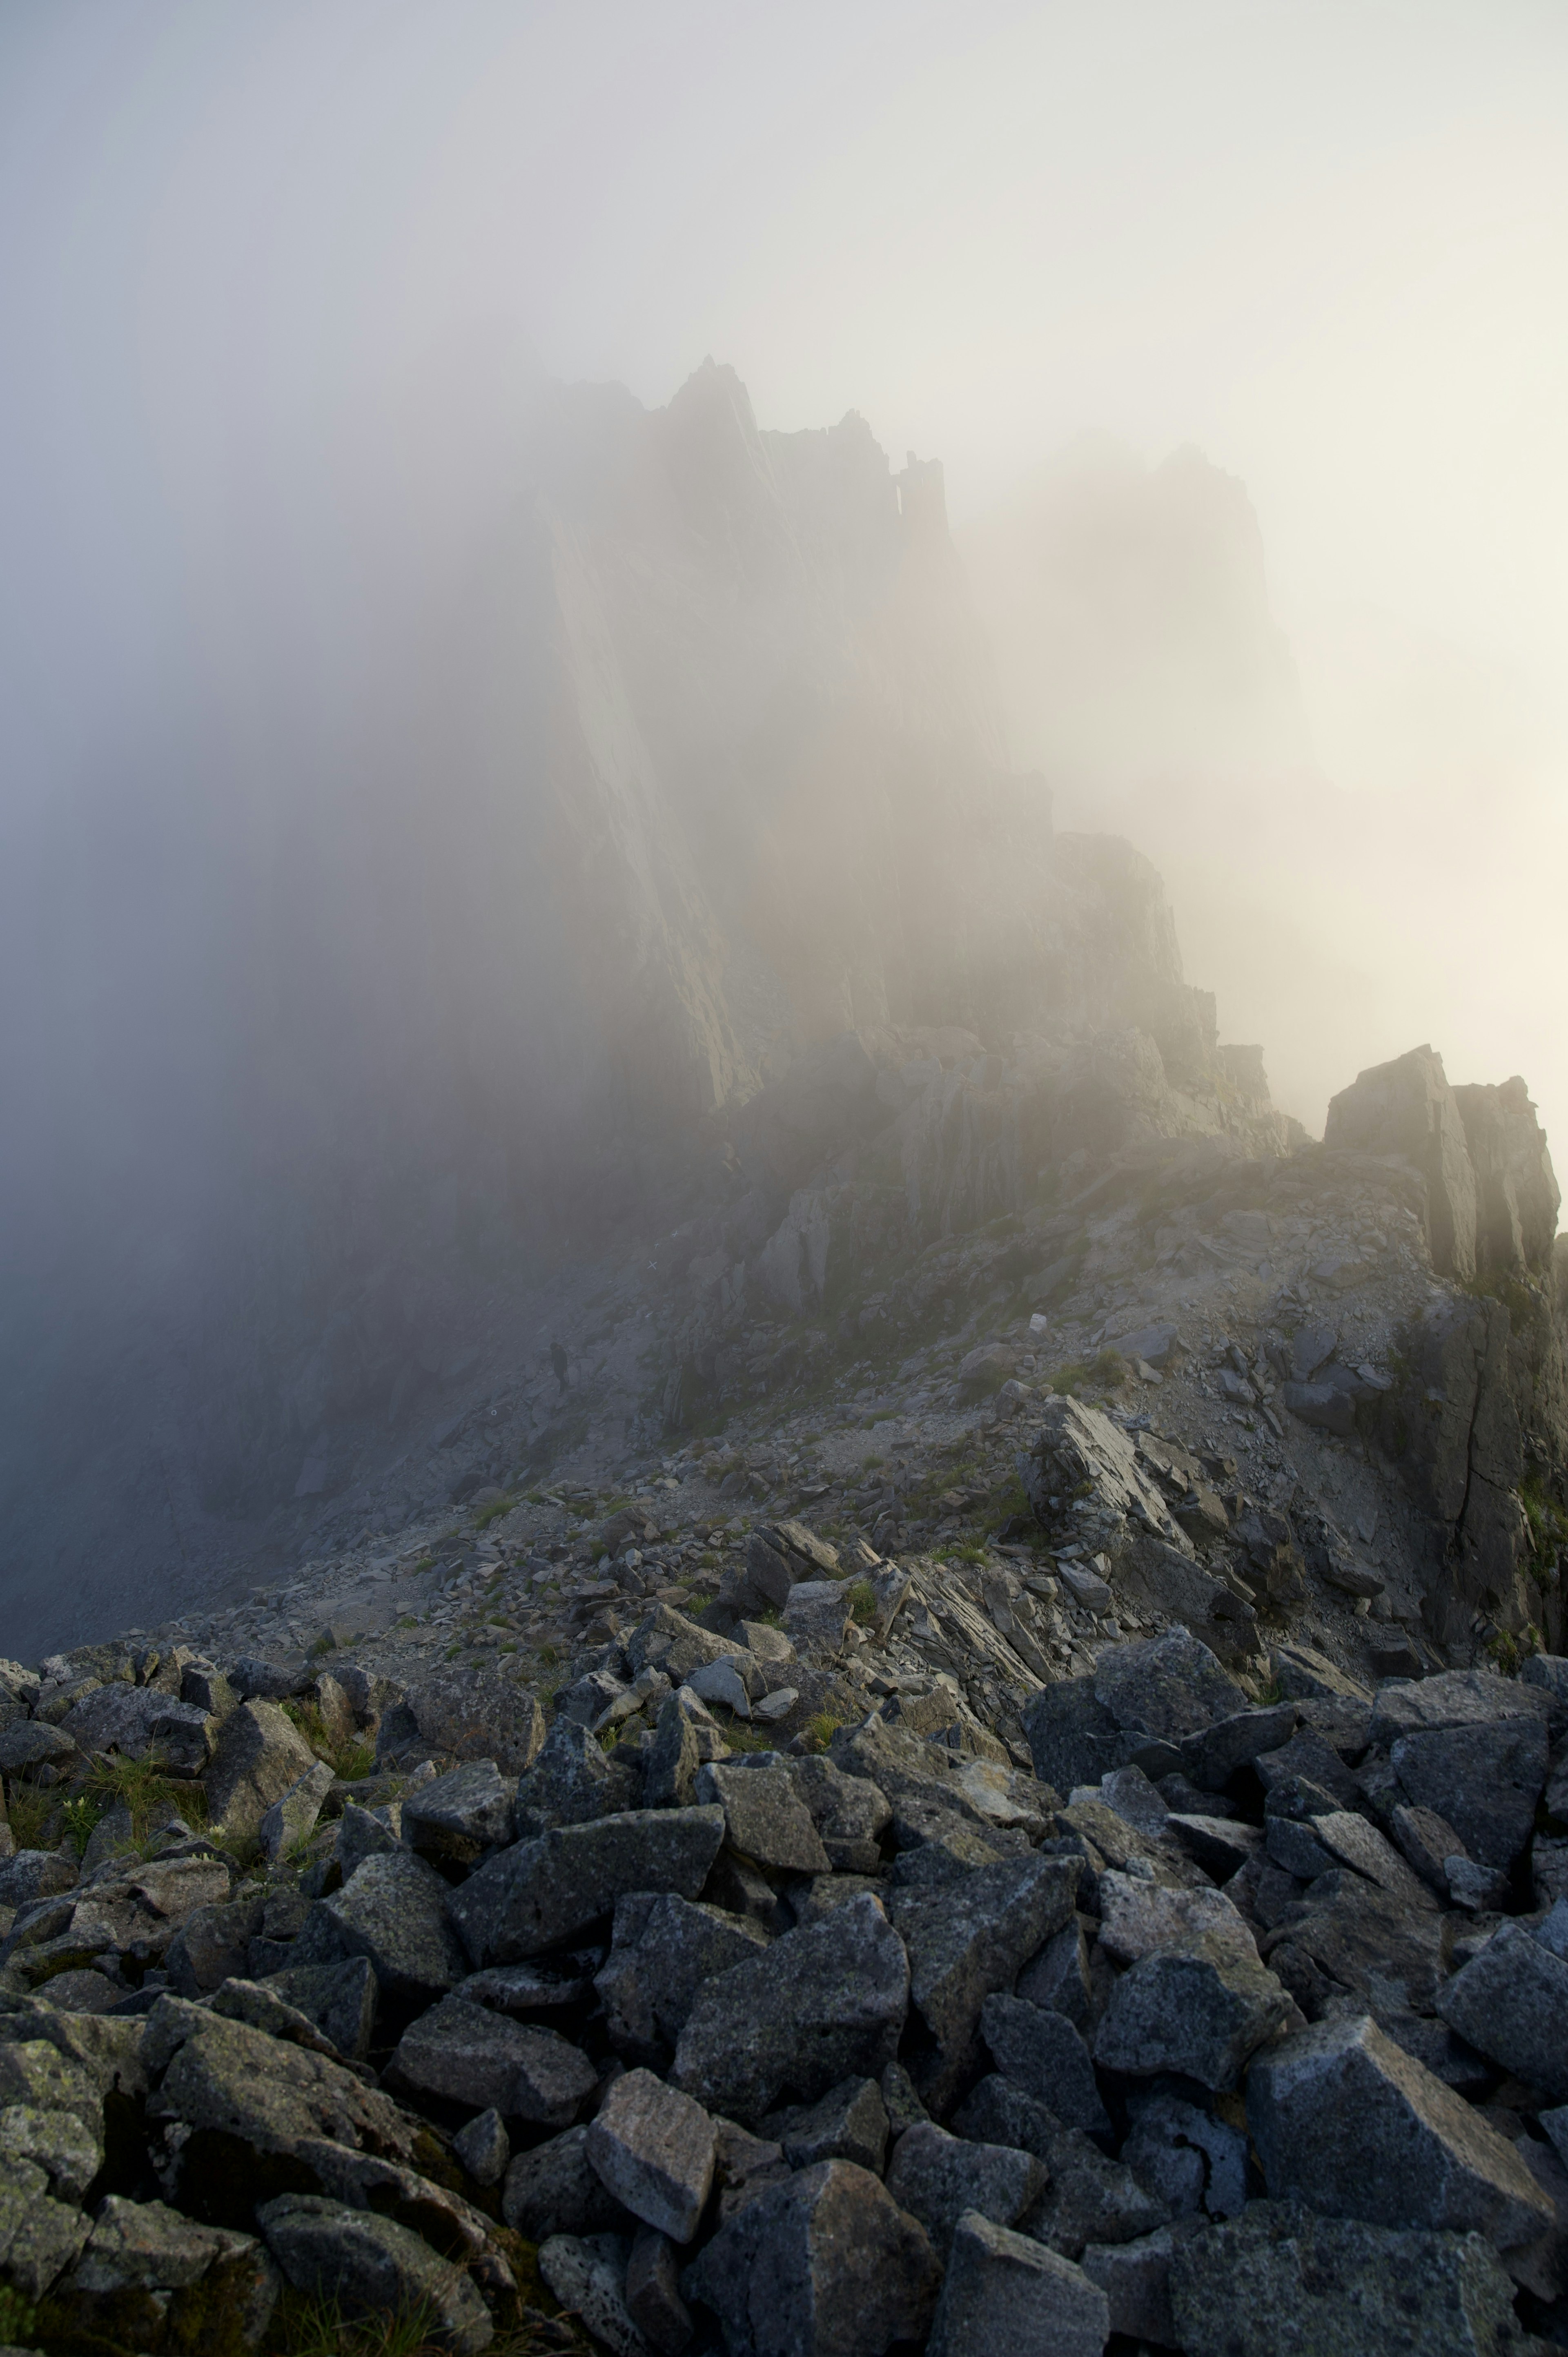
{"points": [[990, 1774], [940, 1722]]}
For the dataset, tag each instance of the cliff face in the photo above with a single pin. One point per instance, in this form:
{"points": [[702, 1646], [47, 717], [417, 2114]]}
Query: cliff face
{"points": [[703, 772]]}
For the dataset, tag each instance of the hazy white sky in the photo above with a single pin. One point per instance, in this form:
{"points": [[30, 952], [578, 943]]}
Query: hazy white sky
{"points": [[1328, 242]]}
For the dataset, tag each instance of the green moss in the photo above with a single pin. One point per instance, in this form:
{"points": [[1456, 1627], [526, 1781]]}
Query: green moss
{"points": [[29, 1811], [1069, 1379], [145, 1788], [819, 1731], [493, 1513], [863, 1603]]}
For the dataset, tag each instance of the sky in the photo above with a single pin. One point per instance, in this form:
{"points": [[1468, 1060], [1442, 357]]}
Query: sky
{"points": [[247, 248]]}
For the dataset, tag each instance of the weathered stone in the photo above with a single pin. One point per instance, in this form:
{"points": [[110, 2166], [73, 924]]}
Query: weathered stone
{"points": [[672, 1758], [822, 2004], [849, 2122], [1212, 1755], [258, 1755], [32, 1744], [1346, 2121], [816, 1615], [1011, 2296], [466, 2054], [1428, 1842], [1138, 1917], [822, 2264], [666, 1640], [457, 1815], [1201, 2011], [586, 2278], [570, 1780], [479, 1712], [1074, 1738], [367, 1832], [1170, 1687], [134, 1720], [38, 2237], [1192, 2161], [1220, 1845], [1058, 1977], [1406, 1107], [393, 1910], [653, 2294], [1453, 1699], [1043, 2053], [1347, 1934], [1089, 2199], [849, 1812], [341, 1999], [1511, 2002], [553, 2189], [372, 2266], [1135, 2279], [765, 1818], [653, 2148], [543, 1893], [212, 1945], [535, 1987], [1485, 1780], [968, 1938], [484, 2147], [1279, 2282], [152, 2279], [722, 1682], [293, 1816], [35, 1874], [936, 2178], [662, 1951]]}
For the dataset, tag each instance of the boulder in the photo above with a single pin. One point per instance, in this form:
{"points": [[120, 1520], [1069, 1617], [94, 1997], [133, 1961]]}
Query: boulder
{"points": [[291, 1817], [479, 1712], [457, 1815], [1347, 2122], [1011, 2296], [1511, 2002], [1043, 2053], [970, 1937], [1136, 2278], [1279, 2281], [1193, 2162], [553, 2189], [150, 2279], [849, 2122], [822, 2004], [393, 1910], [654, 2148], [369, 2265], [938, 2177], [663, 1950], [258, 1755], [1484, 1781], [672, 1761], [850, 1814], [586, 2278], [1089, 2199], [484, 2147], [341, 1999], [765, 1818], [540, 1893], [1200, 2011], [652, 2292], [822, 2264], [463, 2053]]}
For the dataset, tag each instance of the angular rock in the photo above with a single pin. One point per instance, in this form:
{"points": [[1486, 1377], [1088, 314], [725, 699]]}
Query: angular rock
{"points": [[1169, 1686], [816, 1615], [1220, 1845], [968, 1938], [1406, 1107], [1484, 1781], [822, 2004], [1278, 2282], [936, 2178], [653, 2148], [1200, 2011], [849, 2122], [484, 2147], [1011, 2296], [653, 2294], [152, 2277], [258, 1755], [1511, 2002], [393, 1910], [1138, 1917], [372, 2266], [1043, 2053], [480, 1713], [1347, 2122], [1454, 1699], [1212, 1755], [1089, 2199], [553, 2189], [824, 2265], [341, 1999], [663, 1951], [38, 2237], [31, 1744], [456, 1815], [293, 1817], [35, 1874], [464, 2055], [264, 2008], [570, 1780], [1191, 2161], [1428, 1842], [1135, 2279], [1059, 1979], [849, 1812], [765, 1819], [367, 1832], [586, 2278], [540, 1893], [212, 1945], [722, 1682], [666, 1640], [672, 1760]]}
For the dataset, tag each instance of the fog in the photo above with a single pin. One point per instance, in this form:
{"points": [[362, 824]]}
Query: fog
{"points": [[1237, 332]]}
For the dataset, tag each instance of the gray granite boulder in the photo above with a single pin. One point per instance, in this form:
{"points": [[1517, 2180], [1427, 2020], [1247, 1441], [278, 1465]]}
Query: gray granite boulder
{"points": [[971, 1936], [654, 2149], [369, 2265], [938, 2177], [1011, 2296], [1511, 2002], [540, 1893], [1198, 2011], [393, 1910], [463, 2053], [662, 1951]]}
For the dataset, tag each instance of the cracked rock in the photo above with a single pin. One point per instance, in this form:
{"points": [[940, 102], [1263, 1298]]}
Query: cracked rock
{"points": [[849, 2122], [372, 2266], [1511, 2002], [540, 1893], [464, 2055], [938, 2177], [765, 1818], [1201, 2011], [1043, 2053], [1011, 2296]]}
